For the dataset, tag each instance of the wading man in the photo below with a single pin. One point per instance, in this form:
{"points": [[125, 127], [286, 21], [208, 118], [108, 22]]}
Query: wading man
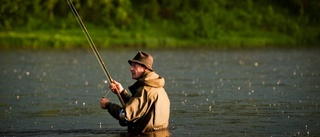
{"points": [[147, 108]]}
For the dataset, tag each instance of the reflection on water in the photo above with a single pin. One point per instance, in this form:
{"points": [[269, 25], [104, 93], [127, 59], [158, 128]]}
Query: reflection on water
{"points": [[85, 132], [224, 93]]}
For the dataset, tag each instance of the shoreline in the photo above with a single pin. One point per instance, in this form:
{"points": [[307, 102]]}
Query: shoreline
{"points": [[74, 39]]}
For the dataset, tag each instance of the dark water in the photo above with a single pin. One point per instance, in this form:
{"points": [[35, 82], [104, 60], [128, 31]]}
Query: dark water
{"points": [[213, 93]]}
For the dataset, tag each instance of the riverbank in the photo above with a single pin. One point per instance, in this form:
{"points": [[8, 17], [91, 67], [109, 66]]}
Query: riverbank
{"points": [[150, 39]]}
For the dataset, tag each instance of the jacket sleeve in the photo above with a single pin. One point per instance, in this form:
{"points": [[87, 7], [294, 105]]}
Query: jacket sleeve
{"points": [[114, 110], [125, 96]]}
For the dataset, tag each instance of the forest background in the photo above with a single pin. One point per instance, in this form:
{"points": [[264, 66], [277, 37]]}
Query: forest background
{"points": [[41, 24]]}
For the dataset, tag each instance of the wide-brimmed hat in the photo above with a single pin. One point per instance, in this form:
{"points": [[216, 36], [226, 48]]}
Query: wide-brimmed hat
{"points": [[143, 59]]}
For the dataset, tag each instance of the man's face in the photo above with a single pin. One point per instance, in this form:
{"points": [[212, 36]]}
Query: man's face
{"points": [[137, 70]]}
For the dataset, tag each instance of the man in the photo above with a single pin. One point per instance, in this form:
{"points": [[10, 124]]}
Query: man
{"points": [[148, 108]]}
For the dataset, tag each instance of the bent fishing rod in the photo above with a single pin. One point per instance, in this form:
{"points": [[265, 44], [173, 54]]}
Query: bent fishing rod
{"points": [[93, 47]]}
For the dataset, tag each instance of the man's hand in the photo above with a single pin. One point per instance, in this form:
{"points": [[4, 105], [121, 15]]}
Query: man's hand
{"points": [[103, 102], [116, 87]]}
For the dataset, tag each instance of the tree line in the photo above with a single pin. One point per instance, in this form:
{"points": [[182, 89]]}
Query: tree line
{"points": [[186, 18]]}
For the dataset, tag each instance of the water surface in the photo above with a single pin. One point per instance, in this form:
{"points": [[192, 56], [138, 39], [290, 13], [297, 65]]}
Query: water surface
{"points": [[270, 92]]}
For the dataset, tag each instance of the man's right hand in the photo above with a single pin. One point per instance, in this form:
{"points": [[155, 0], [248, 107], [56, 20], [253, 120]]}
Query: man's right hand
{"points": [[116, 87]]}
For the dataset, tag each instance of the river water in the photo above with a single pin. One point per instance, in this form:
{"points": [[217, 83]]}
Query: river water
{"points": [[270, 92]]}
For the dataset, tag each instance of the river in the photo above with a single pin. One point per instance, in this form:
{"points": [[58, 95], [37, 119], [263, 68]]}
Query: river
{"points": [[267, 92]]}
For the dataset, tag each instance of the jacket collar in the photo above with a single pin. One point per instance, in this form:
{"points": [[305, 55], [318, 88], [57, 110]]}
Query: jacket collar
{"points": [[149, 78]]}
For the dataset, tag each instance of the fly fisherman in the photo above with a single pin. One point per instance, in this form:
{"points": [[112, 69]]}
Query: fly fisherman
{"points": [[148, 108]]}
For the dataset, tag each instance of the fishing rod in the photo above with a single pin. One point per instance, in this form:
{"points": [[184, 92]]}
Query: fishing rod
{"points": [[93, 47]]}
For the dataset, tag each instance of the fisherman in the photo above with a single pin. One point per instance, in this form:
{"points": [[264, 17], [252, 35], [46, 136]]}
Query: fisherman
{"points": [[147, 108]]}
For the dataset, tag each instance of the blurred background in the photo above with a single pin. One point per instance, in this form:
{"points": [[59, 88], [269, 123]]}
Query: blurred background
{"points": [[152, 24]]}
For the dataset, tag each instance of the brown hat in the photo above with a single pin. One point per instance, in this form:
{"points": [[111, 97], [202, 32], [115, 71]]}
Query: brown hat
{"points": [[143, 59]]}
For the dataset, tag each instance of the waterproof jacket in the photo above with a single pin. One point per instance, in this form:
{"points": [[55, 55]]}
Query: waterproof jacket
{"points": [[148, 108]]}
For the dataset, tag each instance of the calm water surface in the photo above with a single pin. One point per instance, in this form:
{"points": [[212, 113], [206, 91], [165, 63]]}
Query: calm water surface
{"points": [[213, 93]]}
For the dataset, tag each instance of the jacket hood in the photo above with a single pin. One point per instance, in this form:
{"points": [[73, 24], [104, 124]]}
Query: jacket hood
{"points": [[152, 79], [149, 78]]}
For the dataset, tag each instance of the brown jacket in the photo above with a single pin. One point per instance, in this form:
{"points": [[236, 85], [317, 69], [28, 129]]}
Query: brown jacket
{"points": [[148, 109]]}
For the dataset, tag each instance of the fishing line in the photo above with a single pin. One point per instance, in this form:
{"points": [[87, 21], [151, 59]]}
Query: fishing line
{"points": [[107, 93], [93, 47]]}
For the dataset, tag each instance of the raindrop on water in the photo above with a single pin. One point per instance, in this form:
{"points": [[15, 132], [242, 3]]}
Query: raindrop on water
{"points": [[274, 69], [75, 61], [278, 83], [241, 62], [306, 127]]}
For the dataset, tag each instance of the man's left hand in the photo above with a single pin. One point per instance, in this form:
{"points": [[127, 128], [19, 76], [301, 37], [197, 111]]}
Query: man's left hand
{"points": [[103, 102]]}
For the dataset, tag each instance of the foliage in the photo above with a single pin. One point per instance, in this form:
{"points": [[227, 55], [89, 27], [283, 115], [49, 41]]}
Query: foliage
{"points": [[153, 23]]}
